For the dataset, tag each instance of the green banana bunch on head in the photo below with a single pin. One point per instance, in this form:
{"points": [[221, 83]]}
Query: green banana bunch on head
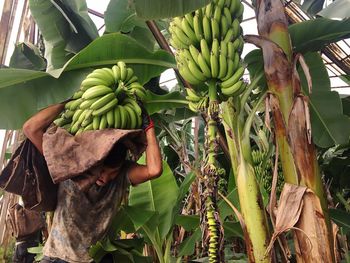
{"points": [[208, 45], [106, 99]]}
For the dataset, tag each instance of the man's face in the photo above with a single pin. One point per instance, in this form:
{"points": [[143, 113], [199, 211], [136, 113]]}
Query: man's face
{"points": [[107, 174]]}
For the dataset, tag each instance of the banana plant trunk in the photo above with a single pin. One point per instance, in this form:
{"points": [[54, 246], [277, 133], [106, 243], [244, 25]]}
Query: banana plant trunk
{"points": [[289, 107], [256, 230]]}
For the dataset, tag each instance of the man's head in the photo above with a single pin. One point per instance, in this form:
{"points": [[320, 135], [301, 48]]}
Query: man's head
{"points": [[112, 164]]}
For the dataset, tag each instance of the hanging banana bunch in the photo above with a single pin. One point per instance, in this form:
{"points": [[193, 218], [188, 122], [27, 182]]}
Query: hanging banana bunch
{"points": [[106, 99], [208, 45]]}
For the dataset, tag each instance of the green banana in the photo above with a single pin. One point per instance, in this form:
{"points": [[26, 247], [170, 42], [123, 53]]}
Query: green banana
{"points": [[133, 104], [116, 113], [236, 28], [229, 35], [105, 108], [108, 72], [234, 7], [217, 13], [110, 118], [89, 127], [188, 30], [87, 103], [207, 29], [227, 15], [236, 43], [192, 95], [96, 122], [185, 73], [116, 72], [96, 91], [215, 29], [132, 116], [230, 91], [131, 80], [231, 51], [193, 106], [77, 94], [236, 62], [221, 3], [205, 50], [223, 48], [102, 101], [224, 26], [204, 66], [232, 80], [182, 36], [123, 71], [215, 48], [209, 10], [76, 115], [61, 121], [103, 122], [189, 18], [91, 82], [194, 53], [240, 11], [129, 74], [75, 104], [196, 72], [230, 69], [222, 66], [197, 27], [123, 117], [214, 65]]}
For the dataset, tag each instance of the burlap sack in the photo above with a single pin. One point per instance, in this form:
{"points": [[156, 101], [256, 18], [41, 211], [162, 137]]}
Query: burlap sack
{"points": [[80, 156]]}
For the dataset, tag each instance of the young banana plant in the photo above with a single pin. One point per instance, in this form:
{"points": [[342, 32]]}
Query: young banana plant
{"points": [[237, 127]]}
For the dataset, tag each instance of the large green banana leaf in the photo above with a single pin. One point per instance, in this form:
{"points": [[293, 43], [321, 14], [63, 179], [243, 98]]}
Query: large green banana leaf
{"points": [[158, 195], [26, 56], [65, 26], [108, 49], [153, 9], [23, 92], [329, 125], [315, 34], [312, 6], [120, 16], [339, 9]]}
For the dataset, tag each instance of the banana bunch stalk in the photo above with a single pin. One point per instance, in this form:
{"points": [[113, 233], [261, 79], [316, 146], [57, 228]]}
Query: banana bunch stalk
{"points": [[208, 45], [212, 172], [106, 99]]}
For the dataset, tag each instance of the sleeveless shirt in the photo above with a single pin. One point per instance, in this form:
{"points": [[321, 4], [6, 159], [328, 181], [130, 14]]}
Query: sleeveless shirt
{"points": [[83, 218]]}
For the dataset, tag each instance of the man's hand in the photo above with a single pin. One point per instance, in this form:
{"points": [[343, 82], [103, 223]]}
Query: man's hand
{"points": [[147, 122]]}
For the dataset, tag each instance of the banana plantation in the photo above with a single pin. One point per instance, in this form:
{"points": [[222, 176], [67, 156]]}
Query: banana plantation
{"points": [[250, 106]]}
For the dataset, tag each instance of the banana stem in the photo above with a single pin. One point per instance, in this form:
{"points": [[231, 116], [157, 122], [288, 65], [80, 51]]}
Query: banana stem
{"points": [[211, 175], [250, 199]]}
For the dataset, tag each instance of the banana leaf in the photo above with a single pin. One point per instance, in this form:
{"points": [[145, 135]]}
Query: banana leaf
{"points": [[315, 34], [336, 10], [154, 9], [24, 92], [154, 102], [26, 56], [120, 16], [158, 195], [110, 48], [65, 26]]}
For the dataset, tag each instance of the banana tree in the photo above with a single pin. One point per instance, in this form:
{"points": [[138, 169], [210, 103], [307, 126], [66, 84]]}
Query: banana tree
{"points": [[292, 129]]}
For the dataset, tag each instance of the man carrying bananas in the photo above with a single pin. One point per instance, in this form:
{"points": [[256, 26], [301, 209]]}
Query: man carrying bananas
{"points": [[85, 210]]}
